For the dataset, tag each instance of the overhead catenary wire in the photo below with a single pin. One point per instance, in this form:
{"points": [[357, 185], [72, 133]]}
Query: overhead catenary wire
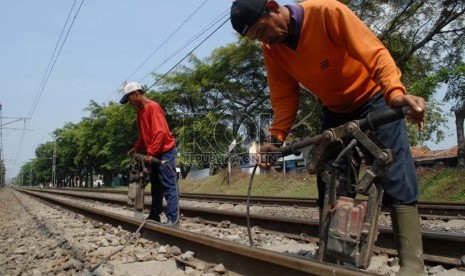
{"points": [[48, 71], [195, 48], [166, 40], [37, 96], [209, 26], [41, 89], [190, 41], [52, 62], [57, 51], [159, 47]]}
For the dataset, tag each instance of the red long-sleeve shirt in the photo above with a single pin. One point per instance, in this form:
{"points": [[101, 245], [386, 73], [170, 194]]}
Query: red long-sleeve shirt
{"points": [[154, 133], [337, 58]]}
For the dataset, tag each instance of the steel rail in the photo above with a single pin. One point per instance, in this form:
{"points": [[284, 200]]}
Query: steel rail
{"points": [[237, 258], [439, 247], [427, 209]]}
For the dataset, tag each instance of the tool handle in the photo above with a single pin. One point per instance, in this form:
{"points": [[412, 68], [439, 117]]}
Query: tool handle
{"points": [[373, 120], [379, 118], [154, 159], [292, 148], [159, 162]]}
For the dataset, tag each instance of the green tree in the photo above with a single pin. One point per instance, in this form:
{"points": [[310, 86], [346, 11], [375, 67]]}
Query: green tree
{"points": [[455, 81], [25, 176], [224, 97], [67, 148], [116, 137], [43, 163], [423, 36], [217, 100]]}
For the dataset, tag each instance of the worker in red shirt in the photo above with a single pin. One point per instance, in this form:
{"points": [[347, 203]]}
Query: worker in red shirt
{"points": [[156, 138], [325, 47]]}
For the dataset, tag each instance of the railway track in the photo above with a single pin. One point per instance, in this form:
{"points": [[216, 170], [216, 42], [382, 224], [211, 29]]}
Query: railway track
{"points": [[439, 247], [427, 209], [239, 259]]}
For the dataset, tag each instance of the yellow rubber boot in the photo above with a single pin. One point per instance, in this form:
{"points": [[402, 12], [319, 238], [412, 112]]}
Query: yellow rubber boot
{"points": [[406, 226]]}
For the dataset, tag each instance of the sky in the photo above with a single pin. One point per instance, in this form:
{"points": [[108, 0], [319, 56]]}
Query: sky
{"points": [[110, 42]]}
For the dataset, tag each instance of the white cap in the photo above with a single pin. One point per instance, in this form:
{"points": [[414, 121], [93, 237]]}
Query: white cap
{"points": [[128, 89]]}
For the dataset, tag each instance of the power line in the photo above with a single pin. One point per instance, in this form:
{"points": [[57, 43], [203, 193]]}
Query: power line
{"points": [[213, 23], [193, 38], [49, 70], [166, 40], [210, 25], [158, 48], [56, 54], [53, 60], [195, 48], [36, 98]]}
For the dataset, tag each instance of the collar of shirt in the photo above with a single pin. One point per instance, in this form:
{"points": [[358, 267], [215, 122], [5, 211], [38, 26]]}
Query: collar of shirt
{"points": [[295, 25]]}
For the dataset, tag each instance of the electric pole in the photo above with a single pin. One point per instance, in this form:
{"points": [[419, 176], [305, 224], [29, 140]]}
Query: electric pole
{"points": [[2, 164], [54, 164], [10, 120], [54, 160], [30, 176]]}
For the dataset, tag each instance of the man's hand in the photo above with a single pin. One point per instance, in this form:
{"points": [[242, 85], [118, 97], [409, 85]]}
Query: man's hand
{"points": [[148, 159], [264, 151], [416, 113]]}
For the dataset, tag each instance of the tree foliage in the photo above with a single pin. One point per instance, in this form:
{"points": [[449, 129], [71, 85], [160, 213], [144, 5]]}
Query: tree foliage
{"points": [[224, 97], [455, 80], [424, 37], [217, 100]]}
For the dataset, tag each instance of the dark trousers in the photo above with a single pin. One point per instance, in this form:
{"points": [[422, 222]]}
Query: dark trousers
{"points": [[400, 182], [164, 184]]}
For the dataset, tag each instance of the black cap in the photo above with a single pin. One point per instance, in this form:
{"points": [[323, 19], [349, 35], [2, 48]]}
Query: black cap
{"points": [[244, 13]]}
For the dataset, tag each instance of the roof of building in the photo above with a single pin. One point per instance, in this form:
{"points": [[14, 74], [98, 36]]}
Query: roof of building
{"points": [[420, 152]]}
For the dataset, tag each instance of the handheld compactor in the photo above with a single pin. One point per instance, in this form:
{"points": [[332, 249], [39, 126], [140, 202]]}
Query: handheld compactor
{"points": [[348, 225], [138, 179]]}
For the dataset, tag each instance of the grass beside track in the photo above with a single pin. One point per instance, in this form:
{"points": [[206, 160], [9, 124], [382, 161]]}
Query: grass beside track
{"points": [[272, 184], [441, 184], [436, 184]]}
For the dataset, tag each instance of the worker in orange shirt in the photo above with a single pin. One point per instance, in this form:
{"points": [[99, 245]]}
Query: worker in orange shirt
{"points": [[325, 47]]}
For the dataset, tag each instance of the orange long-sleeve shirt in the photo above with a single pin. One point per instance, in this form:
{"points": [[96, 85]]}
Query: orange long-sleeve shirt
{"points": [[154, 133], [337, 58]]}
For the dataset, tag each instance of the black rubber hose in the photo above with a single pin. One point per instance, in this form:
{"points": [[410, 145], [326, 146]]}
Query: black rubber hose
{"points": [[249, 231]]}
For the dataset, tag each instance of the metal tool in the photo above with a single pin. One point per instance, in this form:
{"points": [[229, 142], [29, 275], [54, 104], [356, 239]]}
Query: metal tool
{"points": [[138, 179], [349, 226]]}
